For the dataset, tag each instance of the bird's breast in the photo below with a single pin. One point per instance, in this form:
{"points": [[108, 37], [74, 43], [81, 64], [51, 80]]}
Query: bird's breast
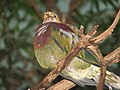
{"points": [[49, 54]]}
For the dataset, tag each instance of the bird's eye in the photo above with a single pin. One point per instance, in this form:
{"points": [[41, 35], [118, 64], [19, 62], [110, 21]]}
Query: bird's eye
{"points": [[54, 16]]}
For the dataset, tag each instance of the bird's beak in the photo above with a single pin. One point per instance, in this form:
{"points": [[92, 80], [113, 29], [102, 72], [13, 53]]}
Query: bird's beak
{"points": [[46, 16]]}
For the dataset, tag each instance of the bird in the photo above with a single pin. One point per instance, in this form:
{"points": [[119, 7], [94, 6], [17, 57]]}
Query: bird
{"points": [[52, 44]]}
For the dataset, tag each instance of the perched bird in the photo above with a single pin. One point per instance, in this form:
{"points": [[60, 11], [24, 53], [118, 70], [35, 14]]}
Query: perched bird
{"points": [[52, 44]]}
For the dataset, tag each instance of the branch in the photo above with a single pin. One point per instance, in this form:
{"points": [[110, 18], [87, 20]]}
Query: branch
{"points": [[102, 66], [107, 32], [36, 8], [113, 57], [62, 85], [97, 40]]}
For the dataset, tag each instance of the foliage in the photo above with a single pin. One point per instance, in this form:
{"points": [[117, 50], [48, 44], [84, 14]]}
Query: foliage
{"points": [[18, 19]]}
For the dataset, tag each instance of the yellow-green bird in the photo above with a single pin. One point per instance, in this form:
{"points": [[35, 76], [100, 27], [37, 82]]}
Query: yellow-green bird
{"points": [[53, 40]]}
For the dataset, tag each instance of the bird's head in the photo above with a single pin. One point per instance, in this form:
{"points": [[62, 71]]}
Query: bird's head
{"points": [[50, 17]]}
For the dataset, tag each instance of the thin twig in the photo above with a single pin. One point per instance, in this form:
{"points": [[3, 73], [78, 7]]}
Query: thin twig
{"points": [[93, 31], [107, 32], [81, 34]]}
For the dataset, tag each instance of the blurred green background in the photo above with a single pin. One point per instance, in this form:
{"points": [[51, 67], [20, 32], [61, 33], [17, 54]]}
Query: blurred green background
{"points": [[19, 69]]}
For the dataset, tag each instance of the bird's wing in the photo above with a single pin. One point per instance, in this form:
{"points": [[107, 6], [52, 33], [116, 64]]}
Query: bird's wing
{"points": [[89, 57], [66, 37]]}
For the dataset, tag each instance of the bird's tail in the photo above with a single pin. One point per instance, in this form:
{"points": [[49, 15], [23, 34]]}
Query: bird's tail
{"points": [[112, 80]]}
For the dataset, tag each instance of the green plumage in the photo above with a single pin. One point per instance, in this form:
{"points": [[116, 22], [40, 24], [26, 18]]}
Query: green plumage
{"points": [[59, 44]]}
